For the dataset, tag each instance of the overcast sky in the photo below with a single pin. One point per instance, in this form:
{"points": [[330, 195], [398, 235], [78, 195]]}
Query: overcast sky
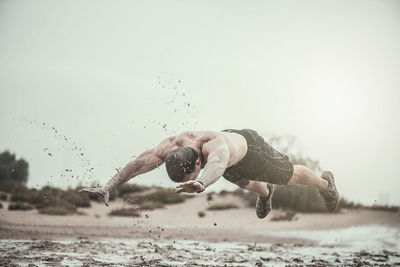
{"points": [[116, 77]]}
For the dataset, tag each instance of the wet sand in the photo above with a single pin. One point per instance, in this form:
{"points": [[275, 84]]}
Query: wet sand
{"points": [[177, 236], [149, 252]]}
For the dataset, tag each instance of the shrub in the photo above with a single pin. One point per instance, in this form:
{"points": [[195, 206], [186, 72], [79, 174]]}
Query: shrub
{"points": [[150, 205], [3, 196], [287, 216], [201, 214], [224, 193], [12, 170], [164, 196], [131, 188], [53, 199], [56, 203], [249, 197], [125, 212], [54, 210], [385, 208], [8, 185], [222, 207], [19, 206], [344, 204], [76, 198], [20, 193], [299, 198]]}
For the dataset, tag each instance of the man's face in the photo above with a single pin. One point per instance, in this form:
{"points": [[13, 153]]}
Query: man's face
{"points": [[193, 175]]}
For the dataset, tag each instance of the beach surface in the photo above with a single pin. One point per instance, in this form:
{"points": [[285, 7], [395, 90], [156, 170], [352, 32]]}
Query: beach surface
{"points": [[176, 236]]}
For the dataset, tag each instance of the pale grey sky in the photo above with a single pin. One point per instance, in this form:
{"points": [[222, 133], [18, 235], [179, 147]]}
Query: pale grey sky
{"points": [[110, 74]]}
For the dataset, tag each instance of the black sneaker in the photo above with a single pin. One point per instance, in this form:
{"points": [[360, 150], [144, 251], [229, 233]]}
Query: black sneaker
{"points": [[330, 194], [264, 204]]}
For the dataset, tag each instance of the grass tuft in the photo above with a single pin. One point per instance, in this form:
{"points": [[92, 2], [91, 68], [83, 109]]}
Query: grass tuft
{"points": [[3, 196], [150, 205], [126, 189], [222, 207], [201, 214], [161, 196], [287, 216], [19, 206], [54, 210], [125, 212]]}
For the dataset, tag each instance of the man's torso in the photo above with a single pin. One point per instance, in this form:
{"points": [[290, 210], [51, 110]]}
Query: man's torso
{"points": [[235, 143]]}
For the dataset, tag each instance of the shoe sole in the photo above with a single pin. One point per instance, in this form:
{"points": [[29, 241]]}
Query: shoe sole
{"points": [[328, 176]]}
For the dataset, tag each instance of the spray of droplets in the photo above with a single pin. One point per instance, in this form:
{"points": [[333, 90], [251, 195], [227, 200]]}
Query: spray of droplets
{"points": [[66, 145], [174, 101]]}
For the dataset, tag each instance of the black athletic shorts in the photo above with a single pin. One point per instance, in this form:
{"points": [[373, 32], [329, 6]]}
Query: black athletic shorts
{"points": [[261, 163]]}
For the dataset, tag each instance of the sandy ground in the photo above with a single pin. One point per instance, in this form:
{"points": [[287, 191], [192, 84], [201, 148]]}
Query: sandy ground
{"points": [[176, 235]]}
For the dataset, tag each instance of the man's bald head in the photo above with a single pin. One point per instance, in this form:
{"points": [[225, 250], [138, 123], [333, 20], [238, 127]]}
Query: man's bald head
{"points": [[181, 162]]}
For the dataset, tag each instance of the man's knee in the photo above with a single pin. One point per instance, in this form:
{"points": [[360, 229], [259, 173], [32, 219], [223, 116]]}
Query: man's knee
{"points": [[242, 183], [299, 171]]}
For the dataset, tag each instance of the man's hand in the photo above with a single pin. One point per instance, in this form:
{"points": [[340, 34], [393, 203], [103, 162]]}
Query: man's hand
{"points": [[190, 187], [100, 192]]}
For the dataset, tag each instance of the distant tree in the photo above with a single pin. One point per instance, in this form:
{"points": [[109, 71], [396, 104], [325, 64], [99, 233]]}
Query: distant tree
{"points": [[13, 170], [287, 145]]}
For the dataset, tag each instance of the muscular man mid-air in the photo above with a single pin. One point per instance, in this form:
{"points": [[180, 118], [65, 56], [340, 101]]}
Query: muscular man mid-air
{"points": [[240, 156]]}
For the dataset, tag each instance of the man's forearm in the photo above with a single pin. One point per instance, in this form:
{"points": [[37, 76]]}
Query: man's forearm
{"points": [[131, 170], [145, 162], [212, 172]]}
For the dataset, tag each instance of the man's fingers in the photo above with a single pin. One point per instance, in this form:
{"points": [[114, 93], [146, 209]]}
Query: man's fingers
{"points": [[179, 190], [188, 183], [104, 194], [188, 187], [87, 190]]}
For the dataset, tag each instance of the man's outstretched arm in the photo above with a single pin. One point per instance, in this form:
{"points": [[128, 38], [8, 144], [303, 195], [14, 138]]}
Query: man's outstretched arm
{"points": [[145, 162]]}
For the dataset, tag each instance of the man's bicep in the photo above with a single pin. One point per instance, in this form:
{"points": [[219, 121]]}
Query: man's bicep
{"points": [[217, 161], [219, 154], [217, 150]]}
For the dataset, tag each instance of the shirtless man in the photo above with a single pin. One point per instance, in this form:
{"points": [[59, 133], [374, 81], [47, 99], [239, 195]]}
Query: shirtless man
{"points": [[240, 156]]}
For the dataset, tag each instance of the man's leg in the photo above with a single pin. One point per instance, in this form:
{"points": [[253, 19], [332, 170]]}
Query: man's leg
{"points": [[324, 184], [260, 188], [264, 191], [305, 176]]}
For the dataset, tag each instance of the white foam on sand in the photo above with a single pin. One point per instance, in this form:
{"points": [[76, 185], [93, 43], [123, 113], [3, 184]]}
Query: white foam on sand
{"points": [[371, 237]]}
